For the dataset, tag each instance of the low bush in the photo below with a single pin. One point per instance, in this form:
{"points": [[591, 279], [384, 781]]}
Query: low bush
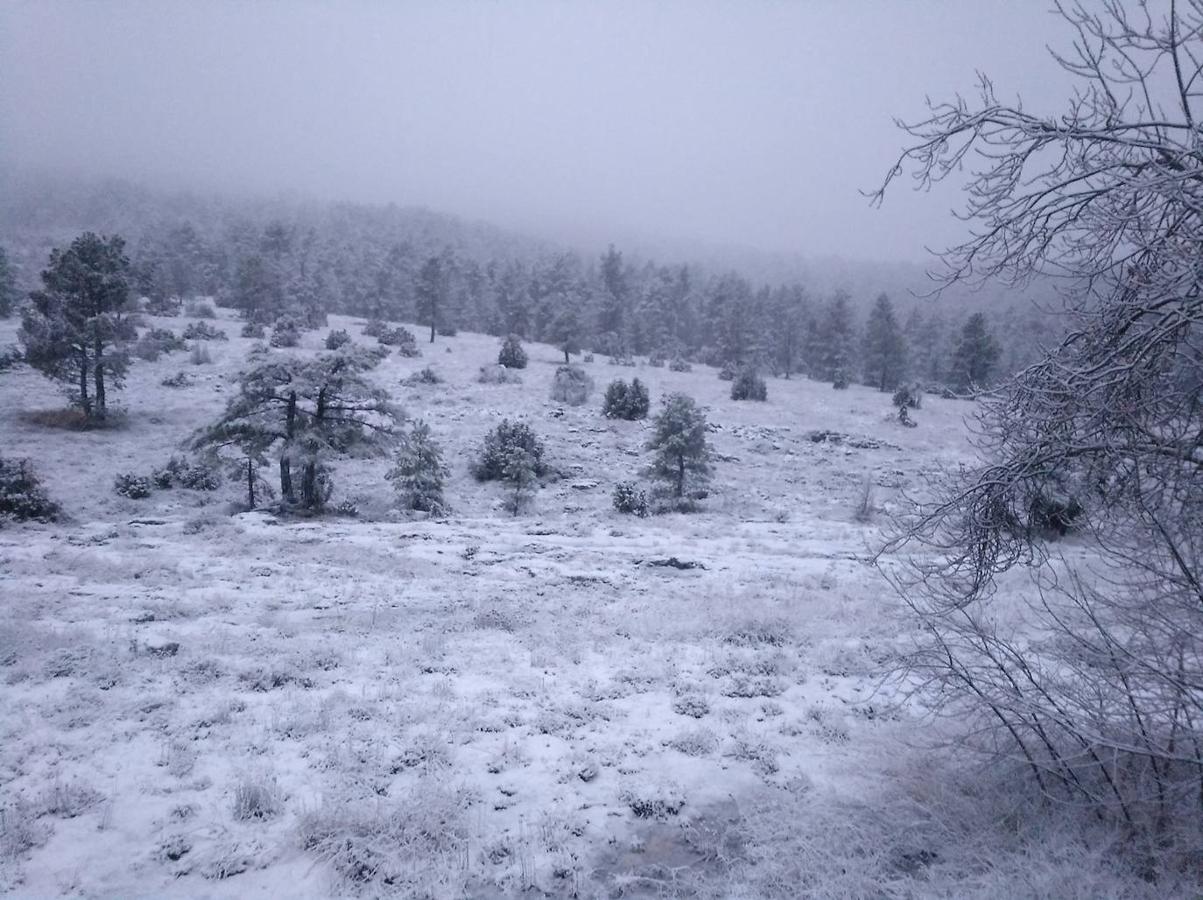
{"points": [[136, 487], [749, 386], [727, 372], [203, 331], [22, 496], [839, 380], [286, 332], [374, 328], [200, 309], [336, 339], [679, 365], [163, 306], [178, 380], [629, 499], [10, 358], [401, 338], [254, 330], [500, 444], [657, 359], [498, 375], [512, 355], [623, 401], [571, 385], [197, 475], [424, 376], [157, 341]]}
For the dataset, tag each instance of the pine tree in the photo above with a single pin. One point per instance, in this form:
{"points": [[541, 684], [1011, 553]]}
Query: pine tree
{"points": [[976, 355], [519, 471], [786, 329], [419, 473], [679, 442], [308, 411], [835, 335], [76, 326], [566, 331], [8, 286], [615, 299], [432, 292], [884, 347]]}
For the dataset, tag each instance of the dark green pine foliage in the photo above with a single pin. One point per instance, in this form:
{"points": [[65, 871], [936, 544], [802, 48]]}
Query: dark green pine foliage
{"points": [[885, 350], [8, 286], [419, 474], [682, 453], [76, 327], [835, 336], [306, 413], [976, 355]]}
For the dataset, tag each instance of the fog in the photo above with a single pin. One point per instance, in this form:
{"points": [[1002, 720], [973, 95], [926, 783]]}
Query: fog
{"points": [[754, 124]]}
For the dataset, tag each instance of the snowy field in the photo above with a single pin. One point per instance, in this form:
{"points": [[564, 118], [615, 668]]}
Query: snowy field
{"points": [[198, 702]]}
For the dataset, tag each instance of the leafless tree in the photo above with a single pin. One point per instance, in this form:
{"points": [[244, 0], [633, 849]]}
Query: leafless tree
{"points": [[1093, 673]]}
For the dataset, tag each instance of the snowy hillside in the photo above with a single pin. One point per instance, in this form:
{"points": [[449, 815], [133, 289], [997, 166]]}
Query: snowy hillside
{"points": [[204, 702]]}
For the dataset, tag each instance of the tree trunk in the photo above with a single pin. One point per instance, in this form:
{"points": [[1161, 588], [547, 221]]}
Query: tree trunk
{"points": [[567, 361], [680, 476], [286, 480], [433, 319], [309, 498], [285, 464], [250, 483], [100, 399], [85, 402]]}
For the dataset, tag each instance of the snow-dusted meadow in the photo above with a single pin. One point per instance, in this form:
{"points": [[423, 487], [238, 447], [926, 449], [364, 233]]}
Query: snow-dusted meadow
{"points": [[198, 702]]}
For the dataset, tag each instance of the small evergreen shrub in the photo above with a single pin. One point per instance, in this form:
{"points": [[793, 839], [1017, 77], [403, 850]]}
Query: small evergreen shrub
{"points": [[254, 330], [519, 471], [178, 380], [336, 339], [203, 331], [629, 499], [498, 375], [909, 395], [22, 496], [425, 376], [10, 358], [163, 306], [839, 380], [136, 487], [507, 436], [286, 332], [195, 475], [1051, 515], [727, 372], [199, 309], [749, 386], [679, 365], [374, 328], [623, 401], [571, 385], [512, 356], [418, 473], [401, 338], [657, 359], [156, 342]]}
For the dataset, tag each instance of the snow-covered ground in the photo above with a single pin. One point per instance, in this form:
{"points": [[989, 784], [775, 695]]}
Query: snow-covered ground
{"points": [[200, 703]]}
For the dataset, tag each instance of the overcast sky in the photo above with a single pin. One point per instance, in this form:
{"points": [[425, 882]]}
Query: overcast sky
{"points": [[744, 122]]}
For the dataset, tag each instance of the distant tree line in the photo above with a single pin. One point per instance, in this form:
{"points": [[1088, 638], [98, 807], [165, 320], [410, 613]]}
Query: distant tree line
{"points": [[381, 265]]}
